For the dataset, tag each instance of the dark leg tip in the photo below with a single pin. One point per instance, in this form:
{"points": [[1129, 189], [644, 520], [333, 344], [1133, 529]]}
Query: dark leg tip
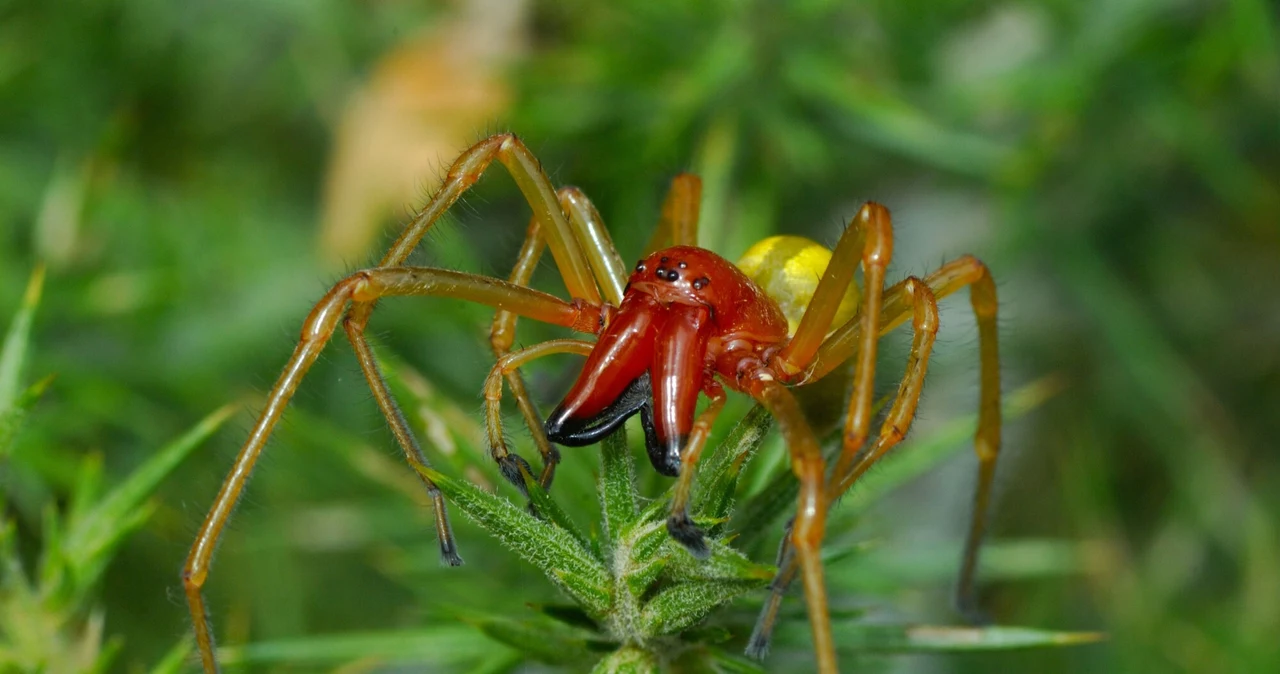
{"points": [[514, 469], [449, 554], [686, 533], [758, 645]]}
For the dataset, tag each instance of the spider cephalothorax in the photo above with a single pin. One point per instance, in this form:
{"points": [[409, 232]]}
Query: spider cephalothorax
{"points": [[687, 315], [686, 322]]}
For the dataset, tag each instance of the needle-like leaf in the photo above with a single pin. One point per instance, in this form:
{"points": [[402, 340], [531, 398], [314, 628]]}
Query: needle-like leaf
{"points": [[552, 549]]}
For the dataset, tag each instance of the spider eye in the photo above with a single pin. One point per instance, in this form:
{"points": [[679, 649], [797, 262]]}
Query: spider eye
{"points": [[701, 283], [640, 267]]}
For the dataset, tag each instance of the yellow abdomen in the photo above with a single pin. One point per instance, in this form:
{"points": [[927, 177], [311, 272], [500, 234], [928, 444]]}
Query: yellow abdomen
{"points": [[788, 269]]}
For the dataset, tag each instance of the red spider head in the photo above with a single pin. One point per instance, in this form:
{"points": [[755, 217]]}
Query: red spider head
{"points": [[682, 306]]}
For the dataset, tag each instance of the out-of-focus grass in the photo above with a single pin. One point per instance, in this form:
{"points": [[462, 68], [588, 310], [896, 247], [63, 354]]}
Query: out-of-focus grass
{"points": [[1116, 163]]}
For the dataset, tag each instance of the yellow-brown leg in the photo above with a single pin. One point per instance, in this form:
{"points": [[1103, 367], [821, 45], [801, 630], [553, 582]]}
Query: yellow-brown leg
{"points": [[403, 435], [609, 273], [502, 334], [679, 524], [574, 264], [678, 223], [971, 272], [811, 509], [901, 414], [869, 237], [362, 287], [507, 365], [900, 304], [584, 219], [527, 173]]}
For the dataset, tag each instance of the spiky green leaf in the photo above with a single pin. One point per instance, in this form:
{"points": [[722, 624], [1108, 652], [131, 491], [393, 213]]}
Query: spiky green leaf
{"points": [[628, 660], [724, 563], [718, 478], [617, 484], [548, 509], [683, 605], [545, 640], [553, 550]]}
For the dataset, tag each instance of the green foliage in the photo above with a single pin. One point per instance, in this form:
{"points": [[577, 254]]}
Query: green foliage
{"points": [[644, 594], [1114, 162], [50, 620]]}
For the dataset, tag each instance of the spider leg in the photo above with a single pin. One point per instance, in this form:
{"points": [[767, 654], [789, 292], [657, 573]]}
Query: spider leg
{"points": [[536, 187], [961, 272], [898, 421], [403, 435], [892, 431], [573, 262], [811, 510], [678, 224], [502, 334], [587, 226], [869, 236], [899, 305], [679, 524], [362, 287], [508, 364], [611, 273]]}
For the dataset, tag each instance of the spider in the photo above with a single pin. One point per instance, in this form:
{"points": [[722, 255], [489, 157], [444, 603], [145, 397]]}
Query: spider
{"points": [[684, 322]]}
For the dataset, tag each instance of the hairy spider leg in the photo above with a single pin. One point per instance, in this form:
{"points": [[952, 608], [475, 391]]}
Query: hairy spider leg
{"points": [[678, 222], [679, 524], [868, 237], [961, 272], [512, 466], [610, 275], [898, 421], [528, 175], [892, 431], [502, 334], [809, 525], [362, 290], [585, 220], [901, 302]]}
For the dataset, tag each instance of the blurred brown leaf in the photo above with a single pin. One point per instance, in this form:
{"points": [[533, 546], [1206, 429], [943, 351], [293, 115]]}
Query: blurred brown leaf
{"points": [[425, 101]]}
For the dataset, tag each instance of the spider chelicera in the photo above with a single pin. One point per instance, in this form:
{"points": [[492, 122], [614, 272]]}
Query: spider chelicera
{"points": [[684, 322]]}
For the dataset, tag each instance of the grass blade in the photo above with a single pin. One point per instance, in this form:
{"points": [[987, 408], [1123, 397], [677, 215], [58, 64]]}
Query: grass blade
{"points": [[861, 637], [89, 539], [13, 355], [445, 645]]}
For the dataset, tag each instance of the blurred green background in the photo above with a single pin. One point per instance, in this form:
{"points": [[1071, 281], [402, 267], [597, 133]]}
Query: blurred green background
{"points": [[195, 175]]}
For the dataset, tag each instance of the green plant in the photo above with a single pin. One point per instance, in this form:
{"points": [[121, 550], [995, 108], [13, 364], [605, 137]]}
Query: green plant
{"points": [[639, 601], [50, 620]]}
